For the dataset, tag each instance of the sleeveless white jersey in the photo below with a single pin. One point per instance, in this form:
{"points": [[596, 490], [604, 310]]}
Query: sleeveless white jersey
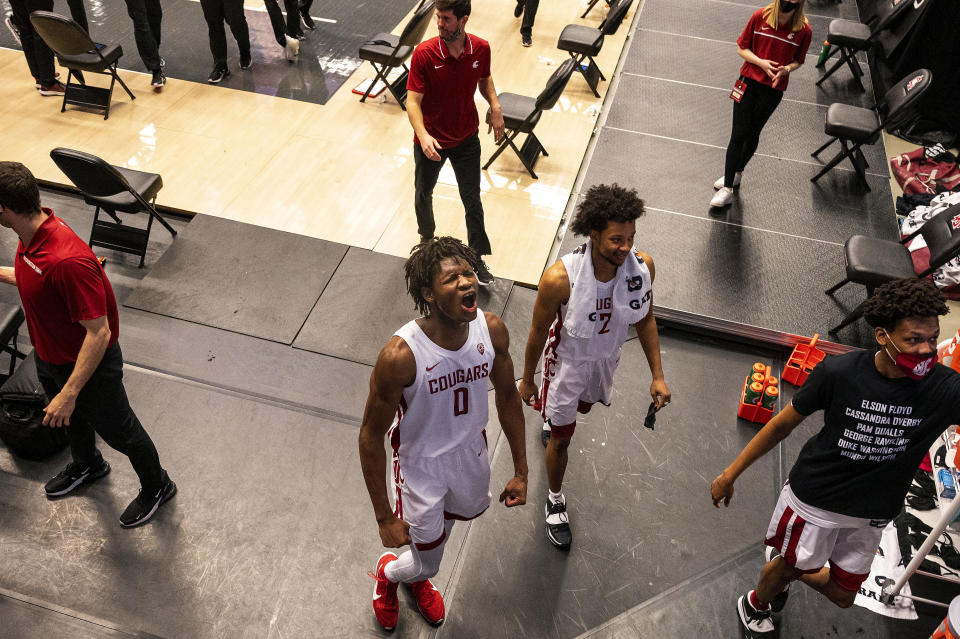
{"points": [[610, 326], [446, 406]]}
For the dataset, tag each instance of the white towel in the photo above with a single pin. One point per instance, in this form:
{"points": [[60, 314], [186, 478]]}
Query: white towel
{"points": [[631, 293]]}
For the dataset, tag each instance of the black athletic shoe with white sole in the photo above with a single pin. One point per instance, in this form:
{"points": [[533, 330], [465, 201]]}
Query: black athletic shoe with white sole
{"points": [[484, 276], [545, 435], [145, 506], [754, 624], [558, 526], [780, 600], [74, 476]]}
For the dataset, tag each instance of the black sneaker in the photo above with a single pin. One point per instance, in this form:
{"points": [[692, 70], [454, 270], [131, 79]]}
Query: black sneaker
{"points": [[158, 78], [754, 624], [484, 276], [246, 61], [545, 435], [306, 19], [526, 40], [75, 475], [558, 527], [781, 599], [217, 75], [142, 509], [518, 10]]}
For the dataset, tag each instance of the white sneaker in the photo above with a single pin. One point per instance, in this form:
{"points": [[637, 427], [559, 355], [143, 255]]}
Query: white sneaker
{"points": [[722, 198], [719, 183], [292, 51], [754, 624]]}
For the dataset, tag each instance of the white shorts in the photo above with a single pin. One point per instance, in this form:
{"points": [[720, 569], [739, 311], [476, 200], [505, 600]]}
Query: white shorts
{"points": [[808, 537], [569, 387], [455, 485]]}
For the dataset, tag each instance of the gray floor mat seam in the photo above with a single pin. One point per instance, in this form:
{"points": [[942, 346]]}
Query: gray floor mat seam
{"points": [[31, 601], [317, 301], [233, 391], [754, 549]]}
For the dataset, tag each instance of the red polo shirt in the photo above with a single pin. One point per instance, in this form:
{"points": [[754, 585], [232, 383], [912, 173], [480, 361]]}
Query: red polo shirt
{"points": [[780, 45], [61, 283], [448, 85]]}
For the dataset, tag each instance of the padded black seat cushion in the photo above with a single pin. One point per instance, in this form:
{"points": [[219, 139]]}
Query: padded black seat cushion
{"points": [[851, 123], [91, 61], [11, 317], [872, 262], [516, 109], [847, 33], [147, 184], [580, 39], [383, 53]]}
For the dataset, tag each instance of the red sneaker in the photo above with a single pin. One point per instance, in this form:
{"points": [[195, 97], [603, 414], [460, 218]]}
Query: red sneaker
{"points": [[429, 601], [386, 606]]}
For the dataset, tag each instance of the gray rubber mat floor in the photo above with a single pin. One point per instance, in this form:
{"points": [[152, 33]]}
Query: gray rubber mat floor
{"points": [[271, 533], [765, 260], [328, 55]]}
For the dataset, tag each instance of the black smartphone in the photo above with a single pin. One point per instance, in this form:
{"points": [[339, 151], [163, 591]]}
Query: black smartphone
{"points": [[651, 418]]}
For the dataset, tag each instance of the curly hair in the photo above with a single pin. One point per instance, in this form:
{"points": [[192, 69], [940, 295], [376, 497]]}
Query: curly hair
{"points": [[605, 203], [897, 300], [460, 8], [424, 264]]}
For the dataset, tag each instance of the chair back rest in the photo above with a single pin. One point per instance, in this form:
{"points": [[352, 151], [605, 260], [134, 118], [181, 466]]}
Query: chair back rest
{"points": [[907, 91], [62, 34], [888, 12], [942, 235], [92, 175], [615, 17], [413, 32], [555, 85]]}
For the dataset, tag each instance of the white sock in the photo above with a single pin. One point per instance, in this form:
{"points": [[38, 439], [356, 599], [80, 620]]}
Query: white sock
{"points": [[556, 497], [416, 565]]}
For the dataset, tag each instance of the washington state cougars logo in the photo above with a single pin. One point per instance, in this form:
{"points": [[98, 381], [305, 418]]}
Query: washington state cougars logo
{"points": [[480, 348], [912, 83], [635, 283], [580, 249], [955, 222], [924, 367]]}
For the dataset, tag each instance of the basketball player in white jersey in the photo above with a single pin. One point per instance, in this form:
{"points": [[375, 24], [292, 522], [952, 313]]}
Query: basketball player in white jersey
{"points": [[585, 303], [428, 392]]}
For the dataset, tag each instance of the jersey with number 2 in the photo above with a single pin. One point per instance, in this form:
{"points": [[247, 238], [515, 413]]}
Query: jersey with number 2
{"points": [[446, 406]]}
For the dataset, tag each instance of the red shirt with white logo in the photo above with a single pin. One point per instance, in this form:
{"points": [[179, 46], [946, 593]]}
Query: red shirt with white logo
{"points": [[61, 283], [448, 86], [780, 45]]}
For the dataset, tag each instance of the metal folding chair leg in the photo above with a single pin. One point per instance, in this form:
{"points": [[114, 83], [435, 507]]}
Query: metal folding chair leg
{"points": [[826, 144], [833, 289], [381, 74], [851, 317]]}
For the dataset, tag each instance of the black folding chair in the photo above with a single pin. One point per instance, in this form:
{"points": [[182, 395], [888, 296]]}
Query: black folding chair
{"points": [[873, 262], [855, 126], [386, 52], [11, 318], [583, 42], [77, 52], [114, 189], [849, 37], [521, 114]]}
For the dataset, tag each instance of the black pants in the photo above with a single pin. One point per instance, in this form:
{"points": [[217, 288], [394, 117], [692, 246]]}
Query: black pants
{"points": [[146, 16], [102, 408], [78, 13], [215, 12], [35, 50], [465, 159], [529, 15], [749, 117], [281, 28]]}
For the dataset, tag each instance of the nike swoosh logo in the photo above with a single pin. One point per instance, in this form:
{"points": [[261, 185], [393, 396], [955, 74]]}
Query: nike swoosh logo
{"points": [[437, 66], [430, 368]]}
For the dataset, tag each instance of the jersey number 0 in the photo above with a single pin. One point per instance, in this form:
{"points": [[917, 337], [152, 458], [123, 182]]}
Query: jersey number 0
{"points": [[461, 403]]}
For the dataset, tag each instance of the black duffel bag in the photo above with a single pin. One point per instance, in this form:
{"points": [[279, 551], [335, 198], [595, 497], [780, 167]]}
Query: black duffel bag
{"points": [[22, 401]]}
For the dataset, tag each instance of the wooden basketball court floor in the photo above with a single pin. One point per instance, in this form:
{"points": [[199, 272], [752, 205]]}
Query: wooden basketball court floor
{"points": [[342, 171]]}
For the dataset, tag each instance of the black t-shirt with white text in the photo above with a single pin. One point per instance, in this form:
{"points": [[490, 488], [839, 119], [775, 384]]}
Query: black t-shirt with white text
{"points": [[876, 431]]}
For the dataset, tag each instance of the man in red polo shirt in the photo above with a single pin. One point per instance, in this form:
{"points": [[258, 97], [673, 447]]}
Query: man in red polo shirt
{"points": [[445, 73], [73, 323]]}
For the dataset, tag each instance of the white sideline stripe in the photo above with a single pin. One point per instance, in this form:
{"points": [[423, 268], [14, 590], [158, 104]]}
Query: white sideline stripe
{"points": [[763, 155], [264, 10], [707, 86], [744, 226]]}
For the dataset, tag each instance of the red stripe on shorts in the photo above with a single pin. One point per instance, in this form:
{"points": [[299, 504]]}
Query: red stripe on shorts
{"points": [[777, 540], [849, 581], [790, 555]]}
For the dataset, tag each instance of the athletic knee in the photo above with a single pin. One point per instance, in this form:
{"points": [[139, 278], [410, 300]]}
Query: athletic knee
{"points": [[842, 598], [559, 443]]}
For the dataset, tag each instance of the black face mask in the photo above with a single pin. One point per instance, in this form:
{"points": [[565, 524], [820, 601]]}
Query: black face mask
{"points": [[787, 7]]}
